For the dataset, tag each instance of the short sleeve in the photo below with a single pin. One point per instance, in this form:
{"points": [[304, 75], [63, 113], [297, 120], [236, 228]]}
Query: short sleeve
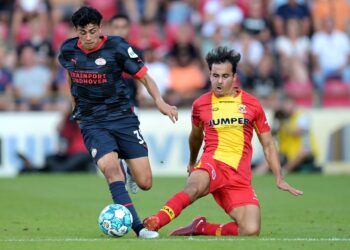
{"points": [[260, 123], [66, 55], [130, 61], [195, 115], [62, 60]]}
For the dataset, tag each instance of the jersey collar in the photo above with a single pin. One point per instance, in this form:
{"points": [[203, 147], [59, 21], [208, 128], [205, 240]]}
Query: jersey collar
{"points": [[237, 90], [87, 51]]}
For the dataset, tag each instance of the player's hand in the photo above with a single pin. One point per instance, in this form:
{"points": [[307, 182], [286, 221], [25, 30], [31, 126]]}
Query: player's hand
{"points": [[189, 169], [166, 109], [286, 187]]}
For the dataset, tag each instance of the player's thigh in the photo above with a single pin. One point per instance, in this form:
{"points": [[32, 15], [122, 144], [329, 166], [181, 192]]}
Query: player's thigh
{"points": [[131, 143], [197, 184], [141, 171], [99, 142], [247, 218]]}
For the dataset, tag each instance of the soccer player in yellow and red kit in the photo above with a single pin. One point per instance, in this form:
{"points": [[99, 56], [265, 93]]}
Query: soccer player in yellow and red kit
{"points": [[225, 118]]}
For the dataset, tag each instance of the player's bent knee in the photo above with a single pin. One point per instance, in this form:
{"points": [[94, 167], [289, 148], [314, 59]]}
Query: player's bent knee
{"points": [[249, 230], [111, 172], [145, 183], [194, 192]]}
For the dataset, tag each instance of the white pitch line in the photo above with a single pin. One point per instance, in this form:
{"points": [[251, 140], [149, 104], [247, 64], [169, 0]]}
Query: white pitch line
{"points": [[180, 239]]}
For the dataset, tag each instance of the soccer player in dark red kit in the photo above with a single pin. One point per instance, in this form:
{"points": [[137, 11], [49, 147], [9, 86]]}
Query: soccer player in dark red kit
{"points": [[102, 105], [225, 118]]}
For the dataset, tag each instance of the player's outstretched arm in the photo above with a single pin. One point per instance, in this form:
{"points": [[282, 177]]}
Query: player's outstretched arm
{"points": [[271, 155], [164, 108]]}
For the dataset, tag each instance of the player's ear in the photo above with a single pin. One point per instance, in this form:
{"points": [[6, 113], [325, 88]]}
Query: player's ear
{"points": [[234, 78]]}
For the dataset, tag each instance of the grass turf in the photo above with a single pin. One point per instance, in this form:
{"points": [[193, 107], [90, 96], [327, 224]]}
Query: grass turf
{"points": [[60, 212]]}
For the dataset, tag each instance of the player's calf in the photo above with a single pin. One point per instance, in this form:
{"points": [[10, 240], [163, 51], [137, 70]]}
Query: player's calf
{"points": [[249, 230], [130, 183]]}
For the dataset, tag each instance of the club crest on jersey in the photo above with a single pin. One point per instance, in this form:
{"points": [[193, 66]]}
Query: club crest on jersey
{"points": [[100, 61], [242, 108], [93, 152], [131, 53]]}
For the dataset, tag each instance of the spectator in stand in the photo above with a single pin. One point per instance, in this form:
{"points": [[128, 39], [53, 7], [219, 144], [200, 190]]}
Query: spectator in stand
{"points": [[225, 14], [159, 71], [4, 26], [61, 11], [292, 9], [23, 11], [186, 74], [265, 82], [138, 10], [293, 52], [331, 53], [215, 40], [275, 4], [146, 34], [256, 22], [338, 10], [39, 41], [180, 14], [252, 52], [32, 82], [6, 87]]}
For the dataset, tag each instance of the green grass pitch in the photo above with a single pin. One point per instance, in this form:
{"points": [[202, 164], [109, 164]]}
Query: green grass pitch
{"points": [[61, 211]]}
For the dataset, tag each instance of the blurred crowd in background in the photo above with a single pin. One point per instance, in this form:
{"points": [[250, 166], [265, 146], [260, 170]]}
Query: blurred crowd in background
{"points": [[298, 48]]}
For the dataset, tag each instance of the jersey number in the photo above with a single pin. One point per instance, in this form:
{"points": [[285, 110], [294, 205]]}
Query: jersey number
{"points": [[139, 136]]}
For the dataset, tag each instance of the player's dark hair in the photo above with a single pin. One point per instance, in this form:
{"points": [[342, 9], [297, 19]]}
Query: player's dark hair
{"points": [[120, 16], [86, 15], [221, 55]]}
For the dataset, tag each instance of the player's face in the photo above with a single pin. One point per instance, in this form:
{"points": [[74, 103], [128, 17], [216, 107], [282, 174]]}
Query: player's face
{"points": [[119, 27], [89, 35], [222, 79]]}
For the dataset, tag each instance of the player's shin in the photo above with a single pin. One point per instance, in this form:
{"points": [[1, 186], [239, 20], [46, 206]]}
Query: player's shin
{"points": [[228, 229], [121, 196], [173, 208]]}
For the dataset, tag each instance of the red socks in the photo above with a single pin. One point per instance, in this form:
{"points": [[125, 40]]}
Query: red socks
{"points": [[181, 200], [229, 229], [173, 208]]}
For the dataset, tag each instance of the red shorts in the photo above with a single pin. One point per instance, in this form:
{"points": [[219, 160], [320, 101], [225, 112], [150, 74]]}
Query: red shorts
{"points": [[230, 190]]}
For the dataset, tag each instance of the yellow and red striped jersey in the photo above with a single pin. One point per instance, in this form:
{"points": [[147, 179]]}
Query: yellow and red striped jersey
{"points": [[228, 124]]}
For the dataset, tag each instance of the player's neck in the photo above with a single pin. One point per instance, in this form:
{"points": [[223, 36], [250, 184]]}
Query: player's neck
{"points": [[101, 40], [235, 91]]}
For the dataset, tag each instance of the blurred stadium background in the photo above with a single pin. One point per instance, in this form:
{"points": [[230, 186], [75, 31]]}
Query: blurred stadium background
{"points": [[297, 48]]}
